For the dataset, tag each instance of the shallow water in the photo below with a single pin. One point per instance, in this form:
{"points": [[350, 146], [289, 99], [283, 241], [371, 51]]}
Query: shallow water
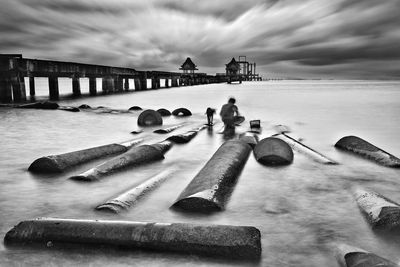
{"points": [[300, 209]]}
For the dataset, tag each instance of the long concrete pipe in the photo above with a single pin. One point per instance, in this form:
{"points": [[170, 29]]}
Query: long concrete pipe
{"points": [[367, 150], [211, 187], [239, 242], [349, 256], [127, 199], [381, 212], [302, 148], [58, 163], [135, 156]]}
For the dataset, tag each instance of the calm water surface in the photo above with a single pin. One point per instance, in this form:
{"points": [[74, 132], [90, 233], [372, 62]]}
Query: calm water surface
{"points": [[300, 209]]}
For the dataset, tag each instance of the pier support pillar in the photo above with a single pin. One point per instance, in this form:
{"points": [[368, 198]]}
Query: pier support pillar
{"points": [[92, 86], [118, 84], [167, 83], [108, 85], [5, 90], [18, 87], [126, 84], [32, 90], [76, 86], [138, 85], [174, 82], [54, 93], [155, 83]]}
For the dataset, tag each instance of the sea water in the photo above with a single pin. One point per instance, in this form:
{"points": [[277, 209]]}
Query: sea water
{"points": [[300, 209]]}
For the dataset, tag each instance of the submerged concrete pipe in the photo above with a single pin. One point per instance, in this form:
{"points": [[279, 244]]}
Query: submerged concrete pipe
{"points": [[302, 148], [149, 117], [273, 151], [367, 150], [127, 199], [239, 242], [58, 163], [134, 156], [211, 187], [40, 105], [182, 138], [168, 129], [381, 212], [164, 112], [349, 256], [250, 139], [182, 112]]}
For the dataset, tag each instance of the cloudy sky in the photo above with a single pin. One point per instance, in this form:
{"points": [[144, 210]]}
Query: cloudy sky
{"points": [[355, 39]]}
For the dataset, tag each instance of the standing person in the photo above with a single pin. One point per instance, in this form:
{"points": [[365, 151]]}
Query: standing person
{"points": [[210, 116], [228, 112]]}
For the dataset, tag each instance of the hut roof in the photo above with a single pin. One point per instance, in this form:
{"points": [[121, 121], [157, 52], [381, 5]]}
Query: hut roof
{"points": [[188, 65], [233, 64]]}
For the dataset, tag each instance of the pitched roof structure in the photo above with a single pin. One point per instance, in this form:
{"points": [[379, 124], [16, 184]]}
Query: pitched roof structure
{"points": [[232, 65], [188, 65]]}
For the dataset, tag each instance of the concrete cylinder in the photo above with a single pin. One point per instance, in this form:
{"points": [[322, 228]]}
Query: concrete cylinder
{"points": [[367, 150], [32, 89], [126, 84], [174, 82], [349, 256], [18, 88], [381, 212], [54, 93], [138, 85], [182, 138], [76, 86], [183, 112], [306, 150], [239, 242], [250, 139], [92, 86], [58, 163], [273, 151], [168, 129], [127, 199], [134, 156], [155, 83], [108, 85], [118, 84], [149, 117], [5, 91], [211, 187]]}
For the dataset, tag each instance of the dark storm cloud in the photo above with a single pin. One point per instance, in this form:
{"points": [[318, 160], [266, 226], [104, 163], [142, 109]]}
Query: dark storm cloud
{"points": [[307, 38]]}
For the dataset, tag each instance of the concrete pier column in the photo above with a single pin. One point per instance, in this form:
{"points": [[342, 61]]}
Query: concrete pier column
{"points": [[76, 86], [174, 82], [32, 90], [155, 83], [92, 86], [108, 85], [5, 90], [138, 85], [118, 84], [126, 84], [18, 87], [54, 92]]}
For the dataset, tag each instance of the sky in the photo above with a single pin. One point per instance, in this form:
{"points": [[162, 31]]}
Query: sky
{"points": [[334, 39]]}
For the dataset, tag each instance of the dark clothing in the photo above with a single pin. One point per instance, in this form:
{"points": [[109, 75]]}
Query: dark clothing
{"points": [[210, 115], [227, 113]]}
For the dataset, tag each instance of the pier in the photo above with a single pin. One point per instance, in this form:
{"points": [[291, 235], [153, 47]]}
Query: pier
{"points": [[14, 68]]}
